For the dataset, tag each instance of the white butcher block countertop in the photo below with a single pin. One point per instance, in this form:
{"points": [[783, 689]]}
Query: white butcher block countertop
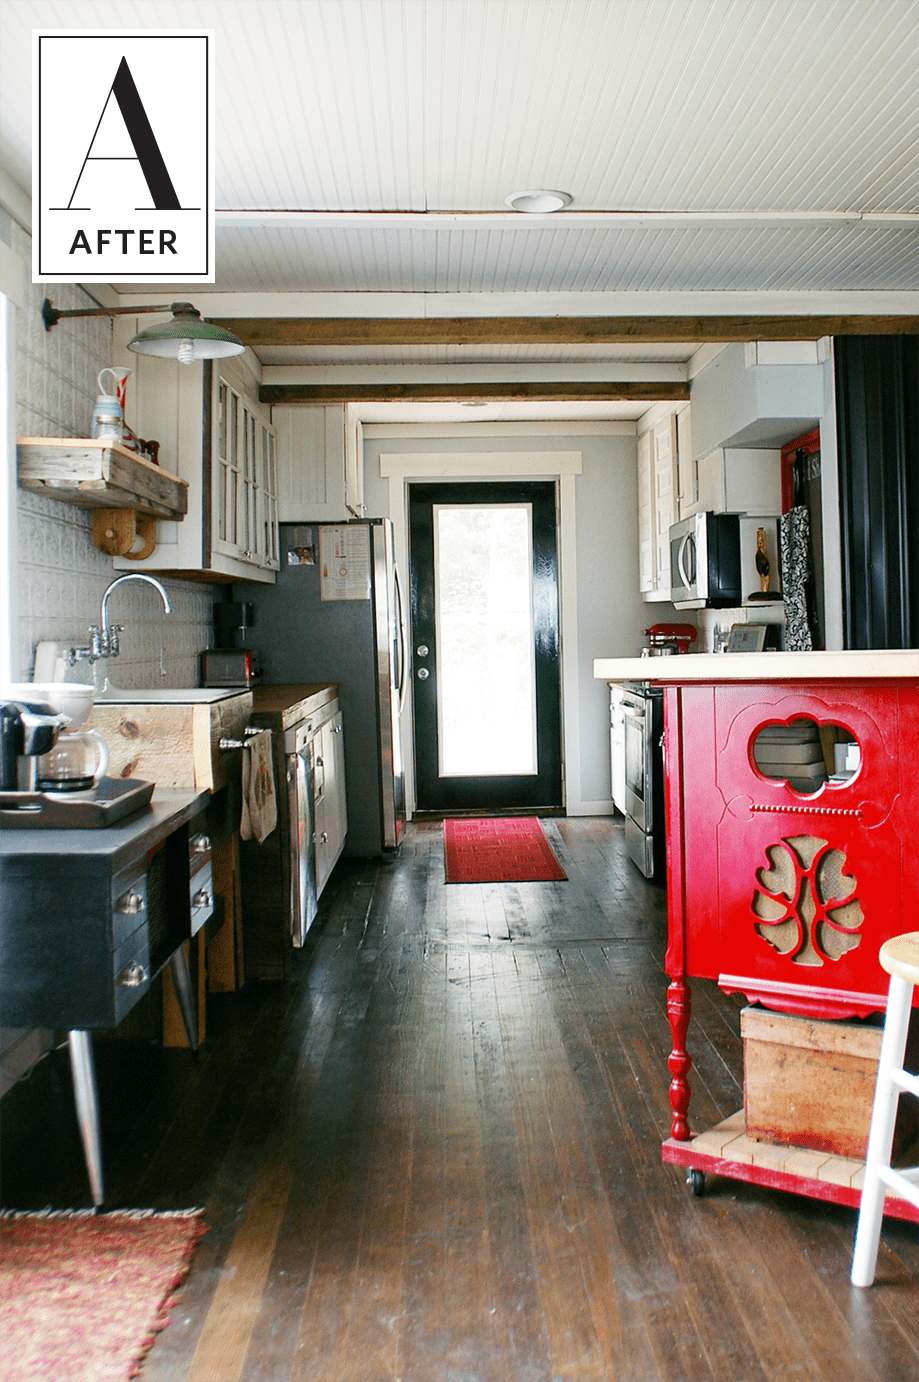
{"points": [[714, 667]]}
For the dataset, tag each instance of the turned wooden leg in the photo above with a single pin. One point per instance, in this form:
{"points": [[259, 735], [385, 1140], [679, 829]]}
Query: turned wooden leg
{"points": [[679, 1009]]}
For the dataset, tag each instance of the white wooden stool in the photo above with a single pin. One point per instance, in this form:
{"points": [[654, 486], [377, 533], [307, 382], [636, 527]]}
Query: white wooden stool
{"points": [[900, 957]]}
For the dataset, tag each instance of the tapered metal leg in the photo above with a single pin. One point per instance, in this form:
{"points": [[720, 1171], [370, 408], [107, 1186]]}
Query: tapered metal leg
{"points": [[182, 980], [84, 1092]]}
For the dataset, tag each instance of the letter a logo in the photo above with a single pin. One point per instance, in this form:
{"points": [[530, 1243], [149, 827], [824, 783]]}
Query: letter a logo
{"points": [[123, 180], [146, 149]]}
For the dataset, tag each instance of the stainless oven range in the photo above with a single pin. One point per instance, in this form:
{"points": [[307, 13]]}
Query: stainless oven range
{"points": [[643, 708]]}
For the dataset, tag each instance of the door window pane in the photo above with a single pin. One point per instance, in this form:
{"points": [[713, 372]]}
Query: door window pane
{"points": [[486, 664]]}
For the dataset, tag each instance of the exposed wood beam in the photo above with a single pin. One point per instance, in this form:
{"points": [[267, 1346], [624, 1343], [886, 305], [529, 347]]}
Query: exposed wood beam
{"points": [[344, 331], [640, 391]]}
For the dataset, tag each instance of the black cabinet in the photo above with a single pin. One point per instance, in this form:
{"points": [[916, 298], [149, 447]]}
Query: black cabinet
{"points": [[88, 918]]}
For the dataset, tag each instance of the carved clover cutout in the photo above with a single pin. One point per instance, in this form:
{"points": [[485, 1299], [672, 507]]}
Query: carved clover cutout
{"points": [[805, 902]]}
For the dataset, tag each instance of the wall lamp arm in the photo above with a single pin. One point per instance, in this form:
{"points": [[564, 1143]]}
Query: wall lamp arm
{"points": [[51, 315]]}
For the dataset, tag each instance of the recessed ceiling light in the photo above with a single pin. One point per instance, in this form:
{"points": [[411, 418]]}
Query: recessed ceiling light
{"points": [[539, 201]]}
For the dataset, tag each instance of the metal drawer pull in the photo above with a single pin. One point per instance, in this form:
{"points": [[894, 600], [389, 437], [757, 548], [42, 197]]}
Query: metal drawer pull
{"points": [[202, 898], [130, 904], [224, 743], [324, 837], [133, 975], [200, 844]]}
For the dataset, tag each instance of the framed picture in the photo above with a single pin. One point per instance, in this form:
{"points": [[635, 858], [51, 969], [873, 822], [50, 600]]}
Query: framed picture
{"points": [[747, 638]]}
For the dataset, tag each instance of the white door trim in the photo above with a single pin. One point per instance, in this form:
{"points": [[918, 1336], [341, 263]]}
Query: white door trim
{"points": [[402, 468]]}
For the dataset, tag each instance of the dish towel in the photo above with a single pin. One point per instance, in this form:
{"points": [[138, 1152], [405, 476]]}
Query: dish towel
{"points": [[260, 804]]}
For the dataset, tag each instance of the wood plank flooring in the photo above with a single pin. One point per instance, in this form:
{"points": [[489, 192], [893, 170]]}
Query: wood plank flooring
{"points": [[434, 1156]]}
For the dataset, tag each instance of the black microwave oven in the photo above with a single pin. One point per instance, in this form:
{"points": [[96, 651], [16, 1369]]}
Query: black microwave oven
{"points": [[705, 561]]}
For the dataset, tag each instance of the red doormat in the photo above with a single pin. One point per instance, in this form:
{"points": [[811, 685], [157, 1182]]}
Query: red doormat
{"points": [[510, 849], [82, 1296]]}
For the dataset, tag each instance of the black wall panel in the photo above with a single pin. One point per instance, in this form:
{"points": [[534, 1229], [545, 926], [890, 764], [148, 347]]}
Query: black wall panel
{"points": [[877, 415]]}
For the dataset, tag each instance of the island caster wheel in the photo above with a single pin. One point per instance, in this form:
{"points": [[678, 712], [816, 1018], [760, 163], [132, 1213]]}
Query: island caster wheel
{"points": [[696, 1181]]}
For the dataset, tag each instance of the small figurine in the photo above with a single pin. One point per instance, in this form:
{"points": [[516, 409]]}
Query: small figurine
{"points": [[764, 567], [762, 561]]}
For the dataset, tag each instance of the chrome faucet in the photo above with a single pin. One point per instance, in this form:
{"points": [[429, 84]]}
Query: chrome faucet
{"points": [[103, 637]]}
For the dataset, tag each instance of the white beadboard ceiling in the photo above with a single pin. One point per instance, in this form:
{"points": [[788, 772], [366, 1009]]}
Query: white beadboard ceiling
{"points": [[772, 145]]}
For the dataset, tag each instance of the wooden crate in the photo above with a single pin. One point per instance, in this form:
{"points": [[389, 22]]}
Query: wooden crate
{"points": [[810, 1083]]}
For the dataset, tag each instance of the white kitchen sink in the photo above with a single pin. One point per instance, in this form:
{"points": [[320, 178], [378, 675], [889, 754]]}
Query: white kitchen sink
{"points": [[194, 695]]}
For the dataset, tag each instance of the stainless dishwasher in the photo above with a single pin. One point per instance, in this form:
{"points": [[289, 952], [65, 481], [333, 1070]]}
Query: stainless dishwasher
{"points": [[298, 772], [278, 876]]}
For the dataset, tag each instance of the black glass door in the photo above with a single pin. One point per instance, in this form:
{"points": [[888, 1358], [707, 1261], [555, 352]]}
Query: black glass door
{"points": [[485, 646]]}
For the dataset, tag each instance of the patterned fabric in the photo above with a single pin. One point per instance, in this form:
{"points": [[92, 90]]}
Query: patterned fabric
{"points": [[795, 542]]}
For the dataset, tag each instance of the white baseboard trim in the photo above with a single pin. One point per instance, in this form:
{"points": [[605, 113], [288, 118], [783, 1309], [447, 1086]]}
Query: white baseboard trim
{"points": [[591, 808]]}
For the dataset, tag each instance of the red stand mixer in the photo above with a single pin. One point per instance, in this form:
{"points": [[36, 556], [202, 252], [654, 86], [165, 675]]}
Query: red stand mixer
{"points": [[669, 638]]}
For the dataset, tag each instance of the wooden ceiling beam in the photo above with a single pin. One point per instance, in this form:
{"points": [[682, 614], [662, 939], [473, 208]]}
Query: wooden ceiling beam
{"points": [[416, 331], [642, 391]]}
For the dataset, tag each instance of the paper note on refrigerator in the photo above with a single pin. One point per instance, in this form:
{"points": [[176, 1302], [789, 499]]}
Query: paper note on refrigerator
{"points": [[344, 562]]}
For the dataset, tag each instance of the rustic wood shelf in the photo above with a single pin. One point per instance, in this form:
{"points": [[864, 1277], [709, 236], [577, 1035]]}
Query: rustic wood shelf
{"points": [[93, 474]]}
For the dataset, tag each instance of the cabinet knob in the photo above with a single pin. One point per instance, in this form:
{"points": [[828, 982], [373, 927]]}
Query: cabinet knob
{"points": [[202, 898], [133, 975], [324, 837], [129, 904], [200, 844]]}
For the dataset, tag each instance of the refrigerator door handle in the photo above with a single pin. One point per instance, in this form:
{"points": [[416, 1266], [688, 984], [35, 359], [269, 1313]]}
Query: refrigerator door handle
{"points": [[401, 681]]}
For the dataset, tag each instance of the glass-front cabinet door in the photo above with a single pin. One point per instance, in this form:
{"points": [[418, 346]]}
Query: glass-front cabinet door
{"points": [[245, 477]]}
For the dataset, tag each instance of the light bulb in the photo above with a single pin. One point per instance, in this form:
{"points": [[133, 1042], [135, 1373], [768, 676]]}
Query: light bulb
{"points": [[186, 352]]}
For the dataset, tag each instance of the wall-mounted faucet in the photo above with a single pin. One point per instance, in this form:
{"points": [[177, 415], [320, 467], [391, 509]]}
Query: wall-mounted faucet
{"points": [[103, 637]]}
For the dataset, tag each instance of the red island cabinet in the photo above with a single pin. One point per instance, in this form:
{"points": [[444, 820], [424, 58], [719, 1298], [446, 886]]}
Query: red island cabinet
{"points": [[782, 894]]}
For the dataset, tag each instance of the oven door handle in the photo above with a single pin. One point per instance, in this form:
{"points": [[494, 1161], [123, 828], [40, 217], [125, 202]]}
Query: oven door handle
{"points": [[632, 712], [681, 563]]}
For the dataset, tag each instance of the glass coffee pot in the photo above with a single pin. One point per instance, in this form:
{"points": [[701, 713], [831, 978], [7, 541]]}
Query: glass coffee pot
{"points": [[76, 763]]}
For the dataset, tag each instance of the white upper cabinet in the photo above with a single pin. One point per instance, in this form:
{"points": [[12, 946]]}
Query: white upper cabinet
{"points": [[213, 433], [687, 467], [645, 514], [666, 485], [658, 487], [321, 477], [735, 479]]}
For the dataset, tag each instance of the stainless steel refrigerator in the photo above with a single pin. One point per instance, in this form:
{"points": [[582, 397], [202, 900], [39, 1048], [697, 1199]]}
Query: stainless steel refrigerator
{"points": [[335, 615]]}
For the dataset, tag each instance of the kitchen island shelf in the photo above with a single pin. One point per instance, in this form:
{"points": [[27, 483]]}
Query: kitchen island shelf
{"points": [[725, 1150]]}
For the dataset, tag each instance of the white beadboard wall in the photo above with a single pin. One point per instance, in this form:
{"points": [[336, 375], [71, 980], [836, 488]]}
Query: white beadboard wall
{"points": [[62, 576]]}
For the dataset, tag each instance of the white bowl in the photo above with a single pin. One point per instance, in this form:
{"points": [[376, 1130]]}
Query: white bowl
{"points": [[71, 698]]}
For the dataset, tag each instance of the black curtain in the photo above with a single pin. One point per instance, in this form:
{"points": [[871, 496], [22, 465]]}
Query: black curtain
{"points": [[877, 419]]}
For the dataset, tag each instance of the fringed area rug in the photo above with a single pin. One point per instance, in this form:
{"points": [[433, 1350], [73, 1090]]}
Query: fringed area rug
{"points": [[510, 849], [82, 1296]]}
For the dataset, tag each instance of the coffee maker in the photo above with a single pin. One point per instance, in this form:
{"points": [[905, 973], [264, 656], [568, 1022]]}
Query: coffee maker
{"points": [[28, 730]]}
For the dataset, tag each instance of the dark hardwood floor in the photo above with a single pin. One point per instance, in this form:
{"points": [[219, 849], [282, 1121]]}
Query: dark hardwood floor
{"points": [[434, 1156]]}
